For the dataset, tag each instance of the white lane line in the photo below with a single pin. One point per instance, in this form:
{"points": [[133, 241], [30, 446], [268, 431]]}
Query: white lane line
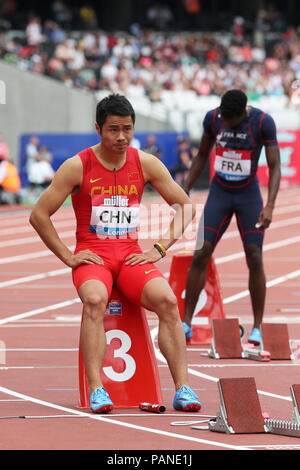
{"points": [[9, 399], [22, 220], [249, 364], [267, 247], [36, 367], [273, 282], [37, 311], [286, 209], [290, 309], [34, 277], [191, 244], [34, 239], [27, 256], [120, 423], [30, 229], [39, 349]]}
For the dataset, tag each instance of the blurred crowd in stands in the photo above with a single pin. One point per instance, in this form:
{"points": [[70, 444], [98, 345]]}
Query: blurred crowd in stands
{"points": [[10, 183], [144, 62], [261, 56], [39, 173]]}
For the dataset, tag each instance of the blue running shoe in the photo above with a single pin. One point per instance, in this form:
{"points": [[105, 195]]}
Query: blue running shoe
{"points": [[186, 400], [187, 330], [100, 401], [255, 337]]}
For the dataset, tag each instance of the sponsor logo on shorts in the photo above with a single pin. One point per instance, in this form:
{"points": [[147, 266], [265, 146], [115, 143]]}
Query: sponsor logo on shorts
{"points": [[150, 271]]}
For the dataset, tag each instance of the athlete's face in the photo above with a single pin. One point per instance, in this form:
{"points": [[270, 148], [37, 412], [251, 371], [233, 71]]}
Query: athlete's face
{"points": [[116, 133]]}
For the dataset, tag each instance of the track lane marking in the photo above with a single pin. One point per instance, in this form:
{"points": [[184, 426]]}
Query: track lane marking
{"points": [[120, 423]]}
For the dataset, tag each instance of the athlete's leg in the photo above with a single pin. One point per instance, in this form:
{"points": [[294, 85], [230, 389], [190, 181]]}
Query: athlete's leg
{"points": [[257, 282], [214, 222], [93, 283], [94, 296], [196, 279], [145, 285], [248, 207], [158, 297]]}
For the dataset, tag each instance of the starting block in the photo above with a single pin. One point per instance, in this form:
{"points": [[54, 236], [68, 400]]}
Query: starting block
{"points": [[240, 411], [226, 342], [210, 302], [129, 354], [275, 338], [287, 428]]}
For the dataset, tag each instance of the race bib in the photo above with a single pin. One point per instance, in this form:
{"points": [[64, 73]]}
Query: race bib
{"points": [[113, 217], [233, 165]]}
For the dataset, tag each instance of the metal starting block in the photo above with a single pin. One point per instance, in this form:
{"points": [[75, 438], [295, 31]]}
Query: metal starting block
{"points": [[287, 428], [240, 410], [226, 342], [275, 339]]}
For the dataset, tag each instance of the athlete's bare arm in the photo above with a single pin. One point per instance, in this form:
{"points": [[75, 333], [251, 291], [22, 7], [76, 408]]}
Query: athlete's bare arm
{"points": [[199, 163], [158, 175], [66, 180], [273, 160]]}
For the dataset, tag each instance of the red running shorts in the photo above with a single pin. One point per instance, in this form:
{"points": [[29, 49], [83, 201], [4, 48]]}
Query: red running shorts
{"points": [[130, 280]]}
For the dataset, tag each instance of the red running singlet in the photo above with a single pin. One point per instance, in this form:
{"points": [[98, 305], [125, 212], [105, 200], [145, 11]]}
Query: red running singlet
{"points": [[107, 206], [107, 215]]}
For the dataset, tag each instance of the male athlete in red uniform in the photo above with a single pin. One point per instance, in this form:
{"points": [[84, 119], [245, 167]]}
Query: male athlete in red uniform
{"points": [[106, 182]]}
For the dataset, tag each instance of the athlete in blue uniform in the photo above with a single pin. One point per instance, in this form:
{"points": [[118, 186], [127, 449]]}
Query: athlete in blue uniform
{"points": [[238, 133]]}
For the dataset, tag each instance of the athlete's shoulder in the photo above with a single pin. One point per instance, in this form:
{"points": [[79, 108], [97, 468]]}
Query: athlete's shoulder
{"points": [[73, 161], [71, 165], [261, 117], [147, 158], [152, 166], [212, 114], [211, 123], [257, 113]]}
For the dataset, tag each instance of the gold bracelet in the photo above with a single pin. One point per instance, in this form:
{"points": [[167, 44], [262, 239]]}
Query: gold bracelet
{"points": [[162, 248]]}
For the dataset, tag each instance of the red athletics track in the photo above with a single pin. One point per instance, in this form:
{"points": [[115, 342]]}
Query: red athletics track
{"points": [[40, 320]]}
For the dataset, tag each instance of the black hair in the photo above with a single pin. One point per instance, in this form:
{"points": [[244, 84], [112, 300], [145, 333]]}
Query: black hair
{"points": [[233, 104], [114, 104]]}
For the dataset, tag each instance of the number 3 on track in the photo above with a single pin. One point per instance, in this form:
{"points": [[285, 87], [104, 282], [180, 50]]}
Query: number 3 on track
{"points": [[130, 366]]}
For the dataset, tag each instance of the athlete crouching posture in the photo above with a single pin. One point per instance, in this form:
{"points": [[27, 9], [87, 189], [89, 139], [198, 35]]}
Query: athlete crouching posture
{"points": [[238, 133], [106, 182]]}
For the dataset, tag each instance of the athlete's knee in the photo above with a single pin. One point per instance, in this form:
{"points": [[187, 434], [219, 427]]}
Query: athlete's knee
{"points": [[202, 256], [94, 305], [169, 300], [254, 257], [167, 306]]}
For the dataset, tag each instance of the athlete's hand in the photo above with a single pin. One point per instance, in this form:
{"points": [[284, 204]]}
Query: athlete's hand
{"points": [[151, 256], [265, 217], [84, 257]]}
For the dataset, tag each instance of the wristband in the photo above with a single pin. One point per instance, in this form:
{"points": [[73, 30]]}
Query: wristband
{"points": [[160, 249]]}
